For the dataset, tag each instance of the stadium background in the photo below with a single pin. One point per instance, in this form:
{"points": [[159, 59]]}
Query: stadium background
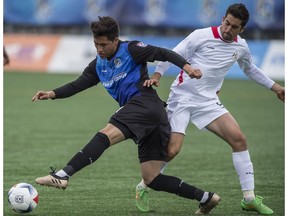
{"points": [[54, 36]]}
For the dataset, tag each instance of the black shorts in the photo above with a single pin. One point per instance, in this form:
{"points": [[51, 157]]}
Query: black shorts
{"points": [[144, 120]]}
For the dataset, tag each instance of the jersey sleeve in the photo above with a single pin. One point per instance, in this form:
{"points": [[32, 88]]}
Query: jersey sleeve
{"points": [[86, 80], [143, 53], [252, 71], [185, 48]]}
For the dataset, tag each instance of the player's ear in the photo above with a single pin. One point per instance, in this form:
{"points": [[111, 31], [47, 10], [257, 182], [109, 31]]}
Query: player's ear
{"points": [[116, 40]]}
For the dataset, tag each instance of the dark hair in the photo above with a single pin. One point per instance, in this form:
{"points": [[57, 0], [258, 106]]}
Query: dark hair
{"points": [[239, 11], [106, 26]]}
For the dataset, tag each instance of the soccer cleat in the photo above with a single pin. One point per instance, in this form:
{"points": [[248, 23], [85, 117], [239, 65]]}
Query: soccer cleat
{"points": [[142, 199], [257, 206], [53, 180], [212, 202]]}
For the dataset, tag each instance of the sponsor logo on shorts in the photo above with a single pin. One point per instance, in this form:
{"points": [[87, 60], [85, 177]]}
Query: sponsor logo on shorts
{"points": [[220, 104]]}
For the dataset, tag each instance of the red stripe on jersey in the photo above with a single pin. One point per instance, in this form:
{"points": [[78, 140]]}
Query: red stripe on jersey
{"points": [[216, 34], [180, 77]]}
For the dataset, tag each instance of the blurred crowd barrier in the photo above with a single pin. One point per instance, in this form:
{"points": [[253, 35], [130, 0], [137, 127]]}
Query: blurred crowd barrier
{"points": [[264, 14], [72, 53]]}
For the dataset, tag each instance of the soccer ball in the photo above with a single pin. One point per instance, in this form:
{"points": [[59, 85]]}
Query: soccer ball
{"points": [[23, 197]]}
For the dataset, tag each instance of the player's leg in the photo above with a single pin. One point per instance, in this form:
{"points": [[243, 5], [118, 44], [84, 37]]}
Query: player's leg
{"points": [[152, 151], [108, 136], [179, 117], [175, 145], [159, 182], [227, 128]]}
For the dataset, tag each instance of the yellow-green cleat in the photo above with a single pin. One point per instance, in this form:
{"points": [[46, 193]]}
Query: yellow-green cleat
{"points": [[142, 199], [257, 206]]}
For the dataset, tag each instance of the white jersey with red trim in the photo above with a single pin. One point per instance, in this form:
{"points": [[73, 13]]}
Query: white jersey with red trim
{"points": [[205, 49]]}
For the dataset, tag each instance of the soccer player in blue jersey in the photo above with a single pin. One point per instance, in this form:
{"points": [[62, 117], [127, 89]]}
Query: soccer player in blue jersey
{"points": [[121, 67]]}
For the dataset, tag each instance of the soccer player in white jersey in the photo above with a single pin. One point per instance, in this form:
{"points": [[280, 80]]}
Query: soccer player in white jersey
{"points": [[213, 51]]}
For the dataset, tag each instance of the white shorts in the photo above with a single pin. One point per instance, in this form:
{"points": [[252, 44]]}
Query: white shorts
{"points": [[180, 113]]}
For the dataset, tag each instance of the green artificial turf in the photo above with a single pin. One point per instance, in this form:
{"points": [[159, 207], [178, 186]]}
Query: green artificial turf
{"points": [[48, 133]]}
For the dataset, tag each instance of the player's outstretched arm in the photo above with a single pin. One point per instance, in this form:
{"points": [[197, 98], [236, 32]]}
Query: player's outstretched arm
{"points": [[279, 90], [43, 95], [192, 73]]}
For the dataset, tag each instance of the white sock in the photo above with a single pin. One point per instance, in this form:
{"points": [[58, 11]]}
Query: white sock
{"points": [[248, 195], [163, 167], [62, 173], [205, 197], [244, 168], [142, 185]]}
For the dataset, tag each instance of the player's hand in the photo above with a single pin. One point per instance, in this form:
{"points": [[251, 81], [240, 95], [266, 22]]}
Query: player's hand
{"points": [[43, 95], [281, 94], [279, 90], [6, 60], [155, 80], [192, 73], [151, 82]]}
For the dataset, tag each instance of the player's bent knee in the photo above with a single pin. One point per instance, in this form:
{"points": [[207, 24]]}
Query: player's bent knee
{"points": [[239, 144], [171, 153]]}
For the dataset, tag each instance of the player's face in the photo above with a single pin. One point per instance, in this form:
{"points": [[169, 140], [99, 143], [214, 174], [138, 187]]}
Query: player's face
{"points": [[230, 27], [105, 48]]}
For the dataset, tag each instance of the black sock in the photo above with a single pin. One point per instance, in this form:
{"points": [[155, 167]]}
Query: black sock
{"points": [[175, 185], [89, 154]]}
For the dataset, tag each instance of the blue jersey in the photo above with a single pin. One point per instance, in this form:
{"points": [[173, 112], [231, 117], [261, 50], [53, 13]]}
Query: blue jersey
{"points": [[120, 75], [123, 74]]}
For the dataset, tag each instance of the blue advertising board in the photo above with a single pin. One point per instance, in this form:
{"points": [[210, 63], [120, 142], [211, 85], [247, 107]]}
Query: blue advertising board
{"points": [[163, 13]]}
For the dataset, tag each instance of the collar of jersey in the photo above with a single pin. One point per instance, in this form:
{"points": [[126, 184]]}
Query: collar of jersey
{"points": [[216, 33]]}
